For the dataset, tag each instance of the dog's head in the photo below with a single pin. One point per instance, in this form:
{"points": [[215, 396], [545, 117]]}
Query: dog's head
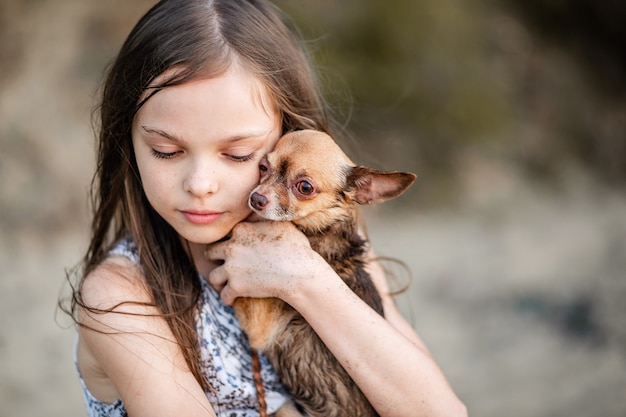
{"points": [[308, 180]]}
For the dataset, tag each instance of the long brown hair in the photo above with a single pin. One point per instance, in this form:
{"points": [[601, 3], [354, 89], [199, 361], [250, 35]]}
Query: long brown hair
{"points": [[202, 38]]}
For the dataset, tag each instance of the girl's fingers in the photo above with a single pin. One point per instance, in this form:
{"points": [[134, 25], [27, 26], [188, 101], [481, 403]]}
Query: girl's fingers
{"points": [[214, 252], [218, 252], [227, 295], [260, 259], [218, 279]]}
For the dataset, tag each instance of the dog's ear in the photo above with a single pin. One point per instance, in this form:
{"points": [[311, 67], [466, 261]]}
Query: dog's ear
{"points": [[369, 186]]}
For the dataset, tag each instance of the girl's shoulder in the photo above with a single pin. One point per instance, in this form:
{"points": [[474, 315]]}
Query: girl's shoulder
{"points": [[118, 283], [116, 280], [118, 325]]}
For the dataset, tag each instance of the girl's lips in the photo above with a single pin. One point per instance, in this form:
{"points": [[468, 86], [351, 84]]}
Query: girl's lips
{"points": [[199, 217]]}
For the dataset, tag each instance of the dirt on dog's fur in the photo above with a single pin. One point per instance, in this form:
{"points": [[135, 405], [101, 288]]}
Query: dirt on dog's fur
{"points": [[309, 181]]}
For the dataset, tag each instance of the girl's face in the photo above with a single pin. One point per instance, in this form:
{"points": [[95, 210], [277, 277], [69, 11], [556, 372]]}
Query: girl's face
{"points": [[198, 147]]}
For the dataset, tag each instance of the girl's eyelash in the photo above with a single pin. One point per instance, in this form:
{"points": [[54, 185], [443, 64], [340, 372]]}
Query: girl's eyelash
{"points": [[170, 155], [243, 158], [163, 155]]}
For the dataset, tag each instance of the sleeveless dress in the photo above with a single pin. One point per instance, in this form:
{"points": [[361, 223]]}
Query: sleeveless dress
{"points": [[226, 360]]}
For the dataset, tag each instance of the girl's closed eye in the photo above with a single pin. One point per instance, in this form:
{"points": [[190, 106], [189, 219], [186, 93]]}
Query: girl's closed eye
{"points": [[164, 155], [241, 158]]}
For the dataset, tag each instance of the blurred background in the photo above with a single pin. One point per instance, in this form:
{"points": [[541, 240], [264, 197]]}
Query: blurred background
{"points": [[513, 115]]}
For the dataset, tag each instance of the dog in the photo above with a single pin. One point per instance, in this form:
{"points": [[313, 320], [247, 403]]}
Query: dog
{"points": [[308, 180]]}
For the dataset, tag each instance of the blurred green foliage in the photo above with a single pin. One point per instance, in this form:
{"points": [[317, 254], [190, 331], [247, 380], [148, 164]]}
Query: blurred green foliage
{"points": [[594, 31], [409, 75], [422, 82]]}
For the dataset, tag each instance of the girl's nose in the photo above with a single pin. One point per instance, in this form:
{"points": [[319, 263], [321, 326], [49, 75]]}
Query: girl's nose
{"points": [[201, 182]]}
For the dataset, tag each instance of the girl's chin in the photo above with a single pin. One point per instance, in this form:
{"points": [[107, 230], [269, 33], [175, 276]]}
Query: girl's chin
{"points": [[203, 240], [204, 237]]}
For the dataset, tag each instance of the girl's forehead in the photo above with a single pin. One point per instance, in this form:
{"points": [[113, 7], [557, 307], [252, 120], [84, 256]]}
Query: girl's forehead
{"points": [[232, 104], [260, 92]]}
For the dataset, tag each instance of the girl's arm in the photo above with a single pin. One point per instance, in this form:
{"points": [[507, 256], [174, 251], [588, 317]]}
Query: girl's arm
{"points": [[130, 353], [392, 314], [385, 357]]}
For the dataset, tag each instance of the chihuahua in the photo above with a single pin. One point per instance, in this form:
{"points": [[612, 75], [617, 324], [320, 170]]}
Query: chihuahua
{"points": [[308, 180]]}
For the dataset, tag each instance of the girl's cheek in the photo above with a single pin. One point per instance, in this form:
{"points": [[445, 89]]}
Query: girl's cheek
{"points": [[251, 175]]}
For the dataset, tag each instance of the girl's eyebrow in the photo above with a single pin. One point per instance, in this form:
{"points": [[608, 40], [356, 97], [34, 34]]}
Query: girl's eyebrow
{"points": [[162, 133], [253, 134]]}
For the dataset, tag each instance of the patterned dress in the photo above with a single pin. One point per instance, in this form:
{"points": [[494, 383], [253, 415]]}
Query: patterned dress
{"points": [[226, 360]]}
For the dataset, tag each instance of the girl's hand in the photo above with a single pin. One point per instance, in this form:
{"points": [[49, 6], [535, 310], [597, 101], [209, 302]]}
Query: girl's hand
{"points": [[263, 259]]}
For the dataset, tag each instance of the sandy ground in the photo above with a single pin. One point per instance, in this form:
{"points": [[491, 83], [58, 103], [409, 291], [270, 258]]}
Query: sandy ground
{"points": [[518, 290], [520, 298], [520, 306]]}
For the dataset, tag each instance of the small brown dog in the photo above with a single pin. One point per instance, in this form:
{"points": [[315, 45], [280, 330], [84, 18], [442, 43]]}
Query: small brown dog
{"points": [[309, 181]]}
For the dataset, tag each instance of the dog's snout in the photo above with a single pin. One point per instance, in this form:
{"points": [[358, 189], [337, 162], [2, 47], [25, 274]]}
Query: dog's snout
{"points": [[258, 201]]}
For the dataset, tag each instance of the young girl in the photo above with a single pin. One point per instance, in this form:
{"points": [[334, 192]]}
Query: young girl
{"points": [[200, 91]]}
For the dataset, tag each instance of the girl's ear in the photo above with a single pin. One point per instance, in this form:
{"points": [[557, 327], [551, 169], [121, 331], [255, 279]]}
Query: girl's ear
{"points": [[369, 186]]}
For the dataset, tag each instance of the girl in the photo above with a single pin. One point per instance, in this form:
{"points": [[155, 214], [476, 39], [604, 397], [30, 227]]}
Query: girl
{"points": [[199, 92]]}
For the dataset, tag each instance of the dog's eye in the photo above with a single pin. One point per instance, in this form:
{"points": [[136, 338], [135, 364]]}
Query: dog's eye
{"points": [[305, 187], [264, 166]]}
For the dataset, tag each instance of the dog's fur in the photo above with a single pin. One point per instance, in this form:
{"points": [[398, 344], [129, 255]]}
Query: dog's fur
{"points": [[309, 181]]}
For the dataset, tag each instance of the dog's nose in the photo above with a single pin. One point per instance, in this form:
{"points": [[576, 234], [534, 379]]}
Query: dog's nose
{"points": [[258, 201]]}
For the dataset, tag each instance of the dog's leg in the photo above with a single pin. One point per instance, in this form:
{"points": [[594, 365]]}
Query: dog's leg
{"points": [[262, 318]]}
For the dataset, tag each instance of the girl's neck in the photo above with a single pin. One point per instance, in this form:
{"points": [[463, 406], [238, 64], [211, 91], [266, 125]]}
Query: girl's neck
{"points": [[203, 265]]}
